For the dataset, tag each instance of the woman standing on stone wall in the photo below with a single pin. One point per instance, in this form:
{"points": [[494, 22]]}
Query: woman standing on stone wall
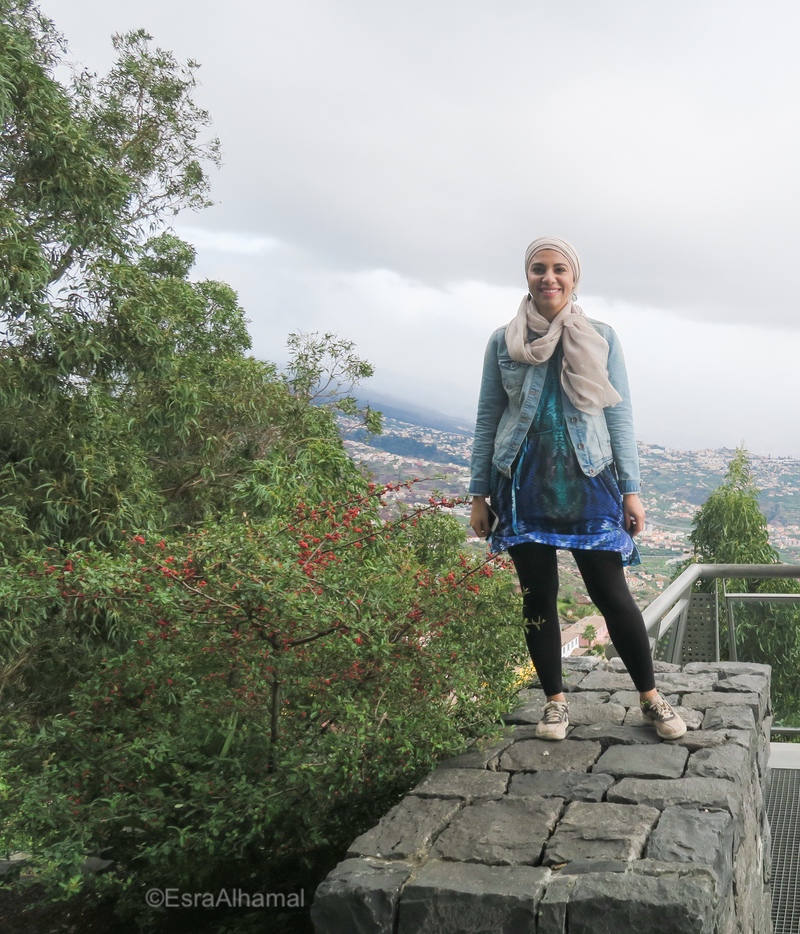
{"points": [[555, 454]]}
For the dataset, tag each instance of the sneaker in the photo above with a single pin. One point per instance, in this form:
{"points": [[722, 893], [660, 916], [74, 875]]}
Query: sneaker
{"points": [[554, 722], [667, 723]]}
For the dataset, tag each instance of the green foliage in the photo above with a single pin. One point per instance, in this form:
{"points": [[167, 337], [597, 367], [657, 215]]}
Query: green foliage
{"points": [[231, 697], [122, 383], [325, 370], [730, 529], [127, 398], [143, 117], [221, 652]]}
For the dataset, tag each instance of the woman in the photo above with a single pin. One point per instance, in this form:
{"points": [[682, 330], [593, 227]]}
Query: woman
{"points": [[556, 454]]}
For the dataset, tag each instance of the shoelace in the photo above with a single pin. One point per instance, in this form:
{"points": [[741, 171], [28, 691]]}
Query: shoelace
{"points": [[662, 709], [553, 714]]}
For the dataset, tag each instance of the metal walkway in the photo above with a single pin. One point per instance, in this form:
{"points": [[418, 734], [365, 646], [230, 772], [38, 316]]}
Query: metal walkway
{"points": [[783, 812]]}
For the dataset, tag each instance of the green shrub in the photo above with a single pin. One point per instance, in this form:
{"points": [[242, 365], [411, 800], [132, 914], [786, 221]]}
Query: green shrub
{"points": [[223, 703]]}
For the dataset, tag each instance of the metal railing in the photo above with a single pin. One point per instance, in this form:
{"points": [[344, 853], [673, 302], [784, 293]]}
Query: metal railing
{"points": [[667, 618]]}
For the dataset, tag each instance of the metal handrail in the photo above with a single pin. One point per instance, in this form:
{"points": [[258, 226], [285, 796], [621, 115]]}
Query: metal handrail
{"points": [[682, 586], [667, 613]]}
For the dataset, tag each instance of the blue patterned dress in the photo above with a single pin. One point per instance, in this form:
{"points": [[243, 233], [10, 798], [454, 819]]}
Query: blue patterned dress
{"points": [[548, 498]]}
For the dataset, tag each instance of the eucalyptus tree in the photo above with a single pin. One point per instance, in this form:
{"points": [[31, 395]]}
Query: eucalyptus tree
{"points": [[127, 395]]}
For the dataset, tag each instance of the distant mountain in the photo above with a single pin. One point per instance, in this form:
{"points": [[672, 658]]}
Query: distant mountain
{"points": [[403, 411]]}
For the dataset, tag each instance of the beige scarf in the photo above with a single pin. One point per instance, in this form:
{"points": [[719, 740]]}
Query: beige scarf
{"points": [[584, 371]]}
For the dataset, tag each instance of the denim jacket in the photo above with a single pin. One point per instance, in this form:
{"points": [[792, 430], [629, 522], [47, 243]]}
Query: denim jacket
{"points": [[510, 393]]}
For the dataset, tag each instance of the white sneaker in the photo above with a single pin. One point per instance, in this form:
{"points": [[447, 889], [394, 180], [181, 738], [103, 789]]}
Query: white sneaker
{"points": [[554, 722], [667, 723]]}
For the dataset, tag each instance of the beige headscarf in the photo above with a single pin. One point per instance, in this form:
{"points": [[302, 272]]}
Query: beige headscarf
{"points": [[584, 371]]}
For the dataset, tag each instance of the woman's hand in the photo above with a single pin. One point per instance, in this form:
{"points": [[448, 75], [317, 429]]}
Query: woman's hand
{"points": [[633, 513], [479, 517]]}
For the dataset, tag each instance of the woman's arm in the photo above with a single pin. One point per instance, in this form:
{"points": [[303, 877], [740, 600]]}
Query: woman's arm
{"points": [[632, 513], [492, 402], [479, 518], [619, 420]]}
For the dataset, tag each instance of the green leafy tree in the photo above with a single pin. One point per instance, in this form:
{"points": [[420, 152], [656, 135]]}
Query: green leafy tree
{"points": [[128, 399], [731, 529], [221, 652], [241, 701]]}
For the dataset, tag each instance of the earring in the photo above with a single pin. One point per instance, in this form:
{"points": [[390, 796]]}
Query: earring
{"points": [[574, 296]]}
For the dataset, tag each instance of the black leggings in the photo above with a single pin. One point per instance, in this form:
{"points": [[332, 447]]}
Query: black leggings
{"points": [[602, 573]]}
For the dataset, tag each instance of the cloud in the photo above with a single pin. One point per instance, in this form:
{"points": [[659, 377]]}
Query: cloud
{"points": [[388, 164], [695, 383], [215, 241]]}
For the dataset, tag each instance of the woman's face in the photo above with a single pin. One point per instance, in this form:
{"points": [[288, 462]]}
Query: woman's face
{"points": [[550, 281]]}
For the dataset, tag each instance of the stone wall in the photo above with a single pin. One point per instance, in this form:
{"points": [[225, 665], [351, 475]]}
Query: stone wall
{"points": [[610, 830]]}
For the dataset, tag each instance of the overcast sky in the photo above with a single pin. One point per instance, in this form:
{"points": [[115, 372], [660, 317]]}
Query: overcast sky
{"points": [[385, 166]]}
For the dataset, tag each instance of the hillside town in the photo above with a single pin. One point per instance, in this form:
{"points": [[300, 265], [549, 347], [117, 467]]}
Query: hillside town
{"points": [[674, 485]]}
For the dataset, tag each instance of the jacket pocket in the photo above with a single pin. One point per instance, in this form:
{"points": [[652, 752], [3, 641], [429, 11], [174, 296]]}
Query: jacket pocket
{"points": [[512, 374], [603, 440]]}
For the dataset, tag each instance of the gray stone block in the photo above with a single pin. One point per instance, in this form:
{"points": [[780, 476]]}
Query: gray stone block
{"points": [[482, 754], [707, 699], [448, 898], [522, 732], [702, 739], [665, 792], [692, 718], [757, 684], [743, 738], [606, 681], [462, 783], [659, 666], [408, 830], [571, 786], [680, 682], [582, 662], [630, 699], [582, 714], [508, 832], [482, 874], [661, 761], [587, 699], [693, 835], [730, 669], [729, 761], [735, 718], [616, 664], [359, 896], [527, 713], [571, 678], [553, 906], [537, 755], [532, 696], [600, 831], [660, 868], [579, 867], [615, 903], [607, 734]]}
